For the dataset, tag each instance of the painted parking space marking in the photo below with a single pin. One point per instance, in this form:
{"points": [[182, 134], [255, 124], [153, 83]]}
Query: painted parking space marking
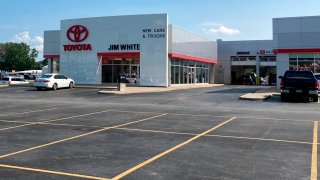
{"points": [[51, 172], [59, 119], [27, 112], [79, 136], [13, 127], [129, 171], [226, 116], [18, 122], [168, 132], [314, 160], [222, 136], [153, 131]]}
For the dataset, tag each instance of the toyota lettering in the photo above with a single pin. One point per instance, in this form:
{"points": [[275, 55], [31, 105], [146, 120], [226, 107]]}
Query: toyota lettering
{"points": [[77, 34]]}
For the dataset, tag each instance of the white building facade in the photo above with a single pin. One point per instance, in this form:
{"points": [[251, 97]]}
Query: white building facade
{"points": [[143, 48], [237, 58], [296, 40], [295, 46]]}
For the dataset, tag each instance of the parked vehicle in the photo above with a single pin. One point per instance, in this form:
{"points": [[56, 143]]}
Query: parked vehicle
{"points": [[299, 84], [132, 79], [317, 75], [12, 80], [247, 79], [53, 81]]}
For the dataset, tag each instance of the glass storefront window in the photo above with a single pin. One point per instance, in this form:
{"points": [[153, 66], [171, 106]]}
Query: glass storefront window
{"points": [[112, 68], [189, 72], [267, 58], [293, 56], [273, 59], [253, 58], [234, 58], [306, 56], [243, 58], [304, 61], [317, 63]]}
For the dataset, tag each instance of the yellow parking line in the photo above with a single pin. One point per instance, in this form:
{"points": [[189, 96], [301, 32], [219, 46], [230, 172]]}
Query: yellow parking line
{"points": [[71, 125], [78, 136], [60, 119], [27, 112], [13, 127], [138, 112], [314, 160], [157, 131], [222, 136], [52, 172], [129, 171], [260, 139], [164, 132], [71, 117], [17, 122], [210, 116]]}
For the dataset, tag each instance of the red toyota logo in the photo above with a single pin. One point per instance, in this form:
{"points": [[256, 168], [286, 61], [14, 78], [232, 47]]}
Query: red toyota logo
{"points": [[77, 33]]}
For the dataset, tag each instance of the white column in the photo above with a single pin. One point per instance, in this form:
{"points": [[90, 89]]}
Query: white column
{"points": [[282, 66]]}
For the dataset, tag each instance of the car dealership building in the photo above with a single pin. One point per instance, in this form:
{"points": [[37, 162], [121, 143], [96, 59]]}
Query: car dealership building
{"points": [[295, 46], [150, 52], [145, 49]]}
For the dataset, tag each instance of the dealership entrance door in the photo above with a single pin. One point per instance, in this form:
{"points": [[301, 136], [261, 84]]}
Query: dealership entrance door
{"points": [[129, 68], [120, 67]]}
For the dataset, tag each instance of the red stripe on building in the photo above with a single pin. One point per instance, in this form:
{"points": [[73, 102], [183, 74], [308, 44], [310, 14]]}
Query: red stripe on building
{"points": [[51, 56], [119, 55], [185, 57], [312, 50]]}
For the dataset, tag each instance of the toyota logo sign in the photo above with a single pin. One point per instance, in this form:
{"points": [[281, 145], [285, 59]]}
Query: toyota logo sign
{"points": [[77, 33]]}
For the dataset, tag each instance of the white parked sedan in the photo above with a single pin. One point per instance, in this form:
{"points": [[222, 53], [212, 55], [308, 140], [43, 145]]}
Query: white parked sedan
{"points": [[53, 81]]}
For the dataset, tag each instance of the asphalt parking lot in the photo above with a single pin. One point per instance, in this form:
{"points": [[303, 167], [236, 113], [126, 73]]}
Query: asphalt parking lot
{"points": [[205, 133]]}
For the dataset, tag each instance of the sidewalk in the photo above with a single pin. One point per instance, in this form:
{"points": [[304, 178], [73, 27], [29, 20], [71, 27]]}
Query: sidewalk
{"points": [[137, 90], [261, 94]]}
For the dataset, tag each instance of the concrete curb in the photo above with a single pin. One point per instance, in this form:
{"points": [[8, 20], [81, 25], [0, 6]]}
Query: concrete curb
{"points": [[260, 94], [144, 90], [255, 96]]}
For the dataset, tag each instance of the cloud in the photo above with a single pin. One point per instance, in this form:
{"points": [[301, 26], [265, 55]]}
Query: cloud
{"points": [[212, 28], [34, 42]]}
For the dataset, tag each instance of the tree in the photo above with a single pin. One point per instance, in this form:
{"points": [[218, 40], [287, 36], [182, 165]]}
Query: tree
{"points": [[17, 56]]}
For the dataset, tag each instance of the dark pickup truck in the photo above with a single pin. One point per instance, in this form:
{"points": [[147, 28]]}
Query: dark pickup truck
{"points": [[299, 84]]}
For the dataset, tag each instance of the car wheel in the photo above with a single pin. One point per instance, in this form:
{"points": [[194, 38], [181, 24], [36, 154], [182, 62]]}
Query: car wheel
{"points": [[71, 85], [39, 88], [55, 87], [315, 98]]}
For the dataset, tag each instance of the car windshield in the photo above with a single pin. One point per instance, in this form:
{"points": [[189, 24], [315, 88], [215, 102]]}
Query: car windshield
{"points": [[299, 74], [46, 76], [317, 76]]}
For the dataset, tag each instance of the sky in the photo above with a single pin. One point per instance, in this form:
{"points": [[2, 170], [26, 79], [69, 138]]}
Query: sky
{"points": [[25, 21]]}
